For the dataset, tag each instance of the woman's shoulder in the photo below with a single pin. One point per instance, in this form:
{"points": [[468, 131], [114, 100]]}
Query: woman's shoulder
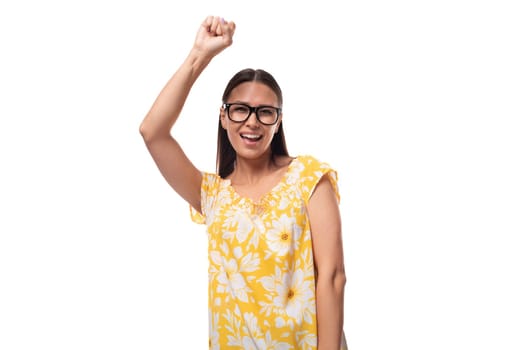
{"points": [[212, 181], [307, 157], [309, 170], [311, 161]]}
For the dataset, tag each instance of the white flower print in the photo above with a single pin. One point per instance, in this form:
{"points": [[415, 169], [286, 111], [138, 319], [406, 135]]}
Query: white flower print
{"points": [[208, 209], [213, 319], [254, 338], [290, 200], [292, 298], [250, 262], [297, 298], [252, 323], [274, 344], [283, 236], [236, 225], [266, 343], [230, 275], [252, 343], [294, 173], [284, 203], [232, 327], [306, 340], [269, 283], [231, 280]]}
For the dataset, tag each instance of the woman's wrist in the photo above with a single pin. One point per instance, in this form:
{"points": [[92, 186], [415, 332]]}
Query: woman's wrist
{"points": [[198, 60]]}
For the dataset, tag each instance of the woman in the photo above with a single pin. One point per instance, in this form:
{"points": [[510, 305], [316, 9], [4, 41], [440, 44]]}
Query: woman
{"points": [[276, 271]]}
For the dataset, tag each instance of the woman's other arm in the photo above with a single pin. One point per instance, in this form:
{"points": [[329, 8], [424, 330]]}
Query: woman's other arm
{"points": [[325, 221]]}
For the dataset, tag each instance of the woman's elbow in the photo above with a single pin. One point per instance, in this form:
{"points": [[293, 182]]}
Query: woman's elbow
{"points": [[151, 132], [145, 131], [333, 278], [339, 279]]}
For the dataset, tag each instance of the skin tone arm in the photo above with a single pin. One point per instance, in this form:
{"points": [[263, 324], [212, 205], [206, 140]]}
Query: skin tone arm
{"points": [[213, 36], [325, 220]]}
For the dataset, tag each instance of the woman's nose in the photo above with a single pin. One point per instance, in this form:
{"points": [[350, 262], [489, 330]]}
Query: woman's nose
{"points": [[252, 119]]}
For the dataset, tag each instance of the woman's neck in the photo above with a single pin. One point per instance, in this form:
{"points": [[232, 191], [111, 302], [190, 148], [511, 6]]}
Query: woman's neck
{"points": [[251, 171]]}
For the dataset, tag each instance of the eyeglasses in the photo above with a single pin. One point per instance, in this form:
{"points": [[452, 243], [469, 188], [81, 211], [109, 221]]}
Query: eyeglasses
{"points": [[240, 112]]}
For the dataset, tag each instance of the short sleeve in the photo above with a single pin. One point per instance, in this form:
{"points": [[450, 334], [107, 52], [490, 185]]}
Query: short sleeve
{"points": [[209, 186], [313, 171]]}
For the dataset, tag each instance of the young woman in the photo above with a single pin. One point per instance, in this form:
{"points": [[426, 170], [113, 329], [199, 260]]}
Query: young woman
{"points": [[276, 269]]}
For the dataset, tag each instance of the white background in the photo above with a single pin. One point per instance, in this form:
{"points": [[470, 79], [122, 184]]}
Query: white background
{"points": [[419, 105]]}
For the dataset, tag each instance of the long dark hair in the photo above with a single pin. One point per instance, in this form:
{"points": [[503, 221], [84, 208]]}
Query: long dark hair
{"points": [[225, 153]]}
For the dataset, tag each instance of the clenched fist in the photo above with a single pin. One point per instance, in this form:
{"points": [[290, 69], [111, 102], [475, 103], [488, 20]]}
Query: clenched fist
{"points": [[214, 35]]}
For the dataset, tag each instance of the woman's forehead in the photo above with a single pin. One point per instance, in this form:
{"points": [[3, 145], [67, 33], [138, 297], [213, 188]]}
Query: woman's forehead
{"points": [[253, 92]]}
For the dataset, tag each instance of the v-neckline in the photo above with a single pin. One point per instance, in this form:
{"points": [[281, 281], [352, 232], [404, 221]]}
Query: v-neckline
{"points": [[266, 194]]}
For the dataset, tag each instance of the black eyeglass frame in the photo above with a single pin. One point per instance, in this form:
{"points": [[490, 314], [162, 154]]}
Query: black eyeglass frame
{"points": [[255, 110]]}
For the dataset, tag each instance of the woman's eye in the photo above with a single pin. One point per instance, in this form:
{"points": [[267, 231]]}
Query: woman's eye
{"points": [[266, 111], [240, 109]]}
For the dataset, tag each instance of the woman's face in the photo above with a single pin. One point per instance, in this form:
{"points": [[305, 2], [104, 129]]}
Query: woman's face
{"points": [[251, 139]]}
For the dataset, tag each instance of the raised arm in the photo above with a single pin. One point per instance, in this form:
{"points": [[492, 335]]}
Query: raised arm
{"points": [[213, 36], [325, 221]]}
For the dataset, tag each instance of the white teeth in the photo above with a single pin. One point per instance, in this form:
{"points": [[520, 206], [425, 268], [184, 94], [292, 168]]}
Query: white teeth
{"points": [[250, 136]]}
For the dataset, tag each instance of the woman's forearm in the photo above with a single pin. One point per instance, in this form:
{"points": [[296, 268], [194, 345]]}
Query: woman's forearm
{"points": [[330, 309]]}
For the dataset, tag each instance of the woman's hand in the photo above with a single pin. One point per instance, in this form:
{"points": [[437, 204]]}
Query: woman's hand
{"points": [[214, 35]]}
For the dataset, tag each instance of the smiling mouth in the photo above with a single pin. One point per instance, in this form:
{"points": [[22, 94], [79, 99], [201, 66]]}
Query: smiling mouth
{"points": [[250, 137]]}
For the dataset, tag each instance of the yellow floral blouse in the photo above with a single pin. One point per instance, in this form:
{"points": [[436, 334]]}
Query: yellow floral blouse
{"points": [[261, 269]]}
